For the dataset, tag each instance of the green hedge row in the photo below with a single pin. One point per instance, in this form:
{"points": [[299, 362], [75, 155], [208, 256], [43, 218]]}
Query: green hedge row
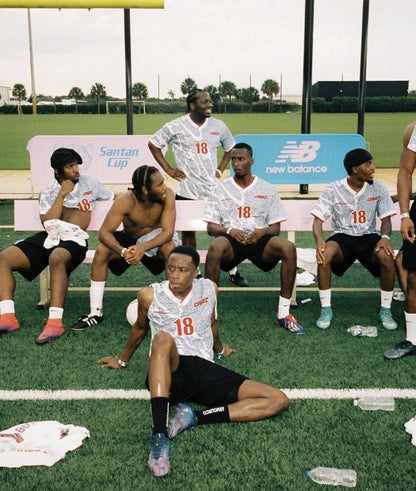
{"points": [[163, 107], [372, 104], [319, 105]]}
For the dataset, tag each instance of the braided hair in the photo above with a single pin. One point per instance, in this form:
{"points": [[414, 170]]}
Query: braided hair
{"points": [[142, 176], [193, 96]]}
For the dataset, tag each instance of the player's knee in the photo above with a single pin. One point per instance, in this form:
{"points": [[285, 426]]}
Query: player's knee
{"points": [[215, 252], [161, 341], [286, 250], [411, 280], [59, 259], [280, 403], [102, 253]]}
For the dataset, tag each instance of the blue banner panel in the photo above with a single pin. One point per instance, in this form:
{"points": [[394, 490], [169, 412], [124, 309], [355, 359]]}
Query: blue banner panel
{"points": [[300, 158]]}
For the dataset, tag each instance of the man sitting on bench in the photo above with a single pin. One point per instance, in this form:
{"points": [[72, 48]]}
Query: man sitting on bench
{"points": [[65, 211], [147, 212], [354, 204], [244, 215]]}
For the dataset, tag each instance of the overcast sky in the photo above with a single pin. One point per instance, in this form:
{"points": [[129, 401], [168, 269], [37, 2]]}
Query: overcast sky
{"points": [[209, 40]]}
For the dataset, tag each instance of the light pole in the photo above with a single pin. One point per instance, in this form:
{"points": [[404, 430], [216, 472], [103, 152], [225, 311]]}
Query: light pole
{"points": [[32, 66]]}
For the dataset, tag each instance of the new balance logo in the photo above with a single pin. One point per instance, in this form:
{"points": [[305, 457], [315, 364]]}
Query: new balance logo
{"points": [[306, 151]]}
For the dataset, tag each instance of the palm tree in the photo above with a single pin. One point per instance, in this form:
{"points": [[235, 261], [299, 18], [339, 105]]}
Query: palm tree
{"points": [[270, 88], [19, 91], [250, 95], [76, 94], [98, 92], [187, 86], [140, 91], [228, 89], [171, 94], [213, 93]]}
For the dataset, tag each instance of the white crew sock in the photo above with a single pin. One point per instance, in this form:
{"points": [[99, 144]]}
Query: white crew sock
{"points": [[55, 313], [284, 306], [410, 327], [7, 307], [96, 297], [386, 298], [325, 297]]}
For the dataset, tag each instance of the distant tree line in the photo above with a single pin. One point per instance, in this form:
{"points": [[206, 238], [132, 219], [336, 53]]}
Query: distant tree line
{"points": [[226, 98]]}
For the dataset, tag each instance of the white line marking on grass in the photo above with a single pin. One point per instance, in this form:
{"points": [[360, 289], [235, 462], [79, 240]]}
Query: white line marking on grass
{"points": [[141, 394], [72, 395], [349, 393]]}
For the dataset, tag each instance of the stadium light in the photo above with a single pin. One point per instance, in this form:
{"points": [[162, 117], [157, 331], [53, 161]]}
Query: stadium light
{"points": [[87, 4]]}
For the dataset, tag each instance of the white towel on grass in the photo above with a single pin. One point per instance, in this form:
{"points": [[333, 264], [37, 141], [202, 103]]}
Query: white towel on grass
{"points": [[39, 443], [411, 428]]}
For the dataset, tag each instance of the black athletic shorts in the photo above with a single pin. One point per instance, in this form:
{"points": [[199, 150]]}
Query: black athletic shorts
{"points": [[38, 255], [204, 382], [409, 249], [154, 264], [182, 198], [353, 248], [253, 252]]}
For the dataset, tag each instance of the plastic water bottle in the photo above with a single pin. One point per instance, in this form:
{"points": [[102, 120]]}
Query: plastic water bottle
{"points": [[358, 331], [333, 477], [248, 226], [374, 403]]}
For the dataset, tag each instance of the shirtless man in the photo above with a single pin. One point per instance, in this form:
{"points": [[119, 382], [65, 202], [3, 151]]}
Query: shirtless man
{"points": [[65, 210], [147, 212]]}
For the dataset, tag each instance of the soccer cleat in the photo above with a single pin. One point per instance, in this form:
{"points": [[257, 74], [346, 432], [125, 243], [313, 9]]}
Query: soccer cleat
{"points": [[183, 419], [8, 323], [402, 349], [85, 321], [290, 323], [158, 462], [387, 320], [238, 280], [325, 318], [53, 330]]}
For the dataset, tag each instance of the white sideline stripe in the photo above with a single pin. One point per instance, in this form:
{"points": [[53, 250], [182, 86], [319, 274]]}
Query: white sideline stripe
{"points": [[71, 395]]}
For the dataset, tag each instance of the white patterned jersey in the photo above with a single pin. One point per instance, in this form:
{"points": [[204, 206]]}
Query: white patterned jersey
{"points": [[354, 213], [86, 192], [256, 206], [39, 443], [188, 321], [195, 151], [412, 142]]}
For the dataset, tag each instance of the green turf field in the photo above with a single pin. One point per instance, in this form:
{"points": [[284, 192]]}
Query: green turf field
{"points": [[383, 131], [266, 455]]}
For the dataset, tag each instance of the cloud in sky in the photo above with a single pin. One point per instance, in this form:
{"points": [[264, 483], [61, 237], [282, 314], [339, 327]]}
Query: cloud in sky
{"points": [[207, 40]]}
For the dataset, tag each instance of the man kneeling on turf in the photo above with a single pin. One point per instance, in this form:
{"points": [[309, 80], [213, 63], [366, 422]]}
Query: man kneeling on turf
{"points": [[181, 314]]}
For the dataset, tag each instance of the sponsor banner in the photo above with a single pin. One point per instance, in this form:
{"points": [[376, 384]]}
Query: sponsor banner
{"points": [[300, 158], [111, 159]]}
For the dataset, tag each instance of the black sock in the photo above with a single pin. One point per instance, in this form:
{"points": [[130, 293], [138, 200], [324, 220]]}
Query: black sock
{"points": [[213, 415], [160, 414]]}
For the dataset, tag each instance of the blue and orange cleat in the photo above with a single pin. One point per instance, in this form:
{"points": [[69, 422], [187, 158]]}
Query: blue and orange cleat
{"points": [[53, 330], [158, 462], [290, 323], [184, 418], [8, 323]]}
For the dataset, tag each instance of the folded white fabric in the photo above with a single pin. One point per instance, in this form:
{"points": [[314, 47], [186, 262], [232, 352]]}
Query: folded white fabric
{"points": [[151, 235], [411, 428], [304, 279], [39, 443], [59, 230], [307, 260]]}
